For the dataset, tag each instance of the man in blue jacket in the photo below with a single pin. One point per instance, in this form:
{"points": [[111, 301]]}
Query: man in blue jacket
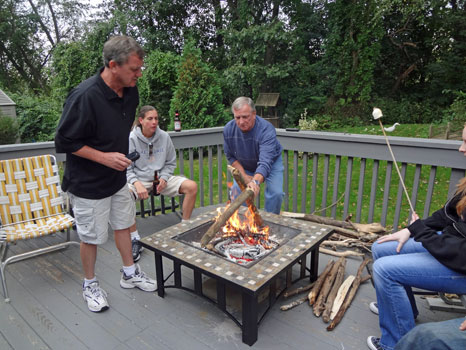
{"points": [[251, 146]]}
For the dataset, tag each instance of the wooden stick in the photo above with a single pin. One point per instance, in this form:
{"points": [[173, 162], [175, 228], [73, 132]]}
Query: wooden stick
{"points": [[396, 166], [318, 219], [293, 304], [315, 291], [319, 305], [298, 290], [250, 202], [341, 294], [222, 219], [333, 292], [341, 254], [349, 298]]}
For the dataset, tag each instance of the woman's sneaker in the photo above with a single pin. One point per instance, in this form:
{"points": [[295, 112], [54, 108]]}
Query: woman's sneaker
{"points": [[139, 280], [374, 343], [136, 248], [95, 297], [374, 307]]}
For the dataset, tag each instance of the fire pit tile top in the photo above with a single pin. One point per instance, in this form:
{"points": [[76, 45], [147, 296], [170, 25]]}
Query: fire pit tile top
{"points": [[252, 277]]}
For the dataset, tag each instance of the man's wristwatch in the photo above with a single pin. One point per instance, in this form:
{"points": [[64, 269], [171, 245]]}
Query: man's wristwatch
{"points": [[256, 182]]}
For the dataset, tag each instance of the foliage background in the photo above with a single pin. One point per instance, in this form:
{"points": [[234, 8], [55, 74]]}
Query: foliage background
{"points": [[333, 59]]}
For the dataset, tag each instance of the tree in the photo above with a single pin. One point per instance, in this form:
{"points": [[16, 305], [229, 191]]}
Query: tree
{"points": [[197, 96]]}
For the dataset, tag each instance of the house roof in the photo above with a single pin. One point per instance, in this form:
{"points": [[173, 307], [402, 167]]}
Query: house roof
{"points": [[5, 100]]}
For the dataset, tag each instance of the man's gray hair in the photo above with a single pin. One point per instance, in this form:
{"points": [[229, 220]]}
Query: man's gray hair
{"points": [[240, 102], [119, 48]]}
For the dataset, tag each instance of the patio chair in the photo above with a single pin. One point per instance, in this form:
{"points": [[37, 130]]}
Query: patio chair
{"points": [[31, 206]]}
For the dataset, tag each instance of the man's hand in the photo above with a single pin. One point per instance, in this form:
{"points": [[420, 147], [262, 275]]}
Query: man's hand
{"points": [[463, 326], [255, 187], [401, 236], [161, 186], [141, 190], [115, 160]]}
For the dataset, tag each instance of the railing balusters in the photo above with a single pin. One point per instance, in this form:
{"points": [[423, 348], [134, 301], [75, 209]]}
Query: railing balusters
{"points": [[295, 181], [336, 180], [349, 177], [304, 183], [362, 175], [399, 197], [181, 161], [386, 192], [220, 173], [191, 163], [414, 193], [323, 210], [375, 176], [286, 180], [430, 191], [315, 174], [211, 176], [201, 176]]}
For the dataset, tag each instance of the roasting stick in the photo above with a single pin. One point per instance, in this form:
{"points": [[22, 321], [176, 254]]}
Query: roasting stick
{"points": [[377, 114]]}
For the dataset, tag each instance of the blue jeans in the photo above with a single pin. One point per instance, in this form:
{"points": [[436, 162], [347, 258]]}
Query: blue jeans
{"points": [[434, 336], [274, 187], [394, 274]]}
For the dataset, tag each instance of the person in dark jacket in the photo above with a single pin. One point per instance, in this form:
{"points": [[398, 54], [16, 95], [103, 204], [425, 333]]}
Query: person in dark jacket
{"points": [[428, 254], [251, 146]]}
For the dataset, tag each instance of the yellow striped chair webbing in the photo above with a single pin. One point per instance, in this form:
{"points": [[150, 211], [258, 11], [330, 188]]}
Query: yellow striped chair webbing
{"points": [[31, 204]]}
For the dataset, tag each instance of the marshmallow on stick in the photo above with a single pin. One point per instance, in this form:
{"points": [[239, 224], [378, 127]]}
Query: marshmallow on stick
{"points": [[377, 114]]}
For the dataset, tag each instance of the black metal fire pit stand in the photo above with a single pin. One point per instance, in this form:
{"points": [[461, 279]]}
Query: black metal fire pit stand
{"points": [[250, 282]]}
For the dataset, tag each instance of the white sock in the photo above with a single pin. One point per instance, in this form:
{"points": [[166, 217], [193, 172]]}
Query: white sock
{"points": [[88, 282], [129, 270], [135, 236]]}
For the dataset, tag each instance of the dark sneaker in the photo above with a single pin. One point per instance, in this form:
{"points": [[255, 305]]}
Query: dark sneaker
{"points": [[137, 248], [374, 343], [374, 308], [95, 297], [138, 280]]}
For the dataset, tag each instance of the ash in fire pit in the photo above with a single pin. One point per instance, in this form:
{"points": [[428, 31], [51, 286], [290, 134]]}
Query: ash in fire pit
{"points": [[239, 241]]}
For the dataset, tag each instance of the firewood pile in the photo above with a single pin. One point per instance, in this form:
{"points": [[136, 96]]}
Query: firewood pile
{"points": [[331, 295]]}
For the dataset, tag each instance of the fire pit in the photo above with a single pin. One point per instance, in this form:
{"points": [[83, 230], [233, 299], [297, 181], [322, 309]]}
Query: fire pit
{"points": [[245, 267]]}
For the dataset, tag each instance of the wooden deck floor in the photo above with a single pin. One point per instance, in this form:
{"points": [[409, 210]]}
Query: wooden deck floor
{"points": [[47, 310]]}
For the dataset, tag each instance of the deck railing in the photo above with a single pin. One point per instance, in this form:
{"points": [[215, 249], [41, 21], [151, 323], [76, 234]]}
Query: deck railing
{"points": [[331, 174]]}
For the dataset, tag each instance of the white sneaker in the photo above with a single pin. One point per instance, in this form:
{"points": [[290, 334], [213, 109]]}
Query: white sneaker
{"points": [[95, 297], [139, 280], [374, 307]]}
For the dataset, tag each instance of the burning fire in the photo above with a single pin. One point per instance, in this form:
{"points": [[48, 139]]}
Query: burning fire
{"points": [[243, 241]]}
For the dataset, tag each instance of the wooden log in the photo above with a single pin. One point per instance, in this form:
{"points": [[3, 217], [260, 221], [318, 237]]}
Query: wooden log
{"points": [[319, 305], [292, 292], [249, 202], [293, 304], [333, 292], [349, 298], [312, 296], [341, 294], [318, 219], [223, 218], [340, 254]]}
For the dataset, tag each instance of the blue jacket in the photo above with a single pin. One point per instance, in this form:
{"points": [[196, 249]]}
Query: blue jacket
{"points": [[256, 149]]}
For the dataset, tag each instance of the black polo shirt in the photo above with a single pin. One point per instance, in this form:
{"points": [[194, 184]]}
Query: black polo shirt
{"points": [[95, 116]]}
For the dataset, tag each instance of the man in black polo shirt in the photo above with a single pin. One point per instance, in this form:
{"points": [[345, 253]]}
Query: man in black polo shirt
{"points": [[93, 132]]}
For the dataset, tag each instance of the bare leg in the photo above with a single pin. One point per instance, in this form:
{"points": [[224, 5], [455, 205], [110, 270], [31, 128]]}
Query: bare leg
{"points": [[88, 254], [189, 189], [123, 244], [133, 227]]}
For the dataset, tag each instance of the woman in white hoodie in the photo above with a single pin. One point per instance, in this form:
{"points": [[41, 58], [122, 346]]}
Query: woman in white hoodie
{"points": [[157, 153]]}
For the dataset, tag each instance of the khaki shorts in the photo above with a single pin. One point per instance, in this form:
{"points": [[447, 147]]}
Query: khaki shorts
{"points": [[172, 189], [92, 216]]}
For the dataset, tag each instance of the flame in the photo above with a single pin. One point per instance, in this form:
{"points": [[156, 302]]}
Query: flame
{"points": [[245, 230]]}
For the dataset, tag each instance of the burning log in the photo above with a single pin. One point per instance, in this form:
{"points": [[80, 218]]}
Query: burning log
{"points": [[349, 298], [340, 254], [341, 294], [293, 304], [333, 292], [312, 296], [223, 218], [322, 298], [298, 290], [250, 202]]}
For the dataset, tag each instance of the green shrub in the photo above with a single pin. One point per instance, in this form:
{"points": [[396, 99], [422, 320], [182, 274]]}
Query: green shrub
{"points": [[456, 113], [307, 124], [8, 130]]}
